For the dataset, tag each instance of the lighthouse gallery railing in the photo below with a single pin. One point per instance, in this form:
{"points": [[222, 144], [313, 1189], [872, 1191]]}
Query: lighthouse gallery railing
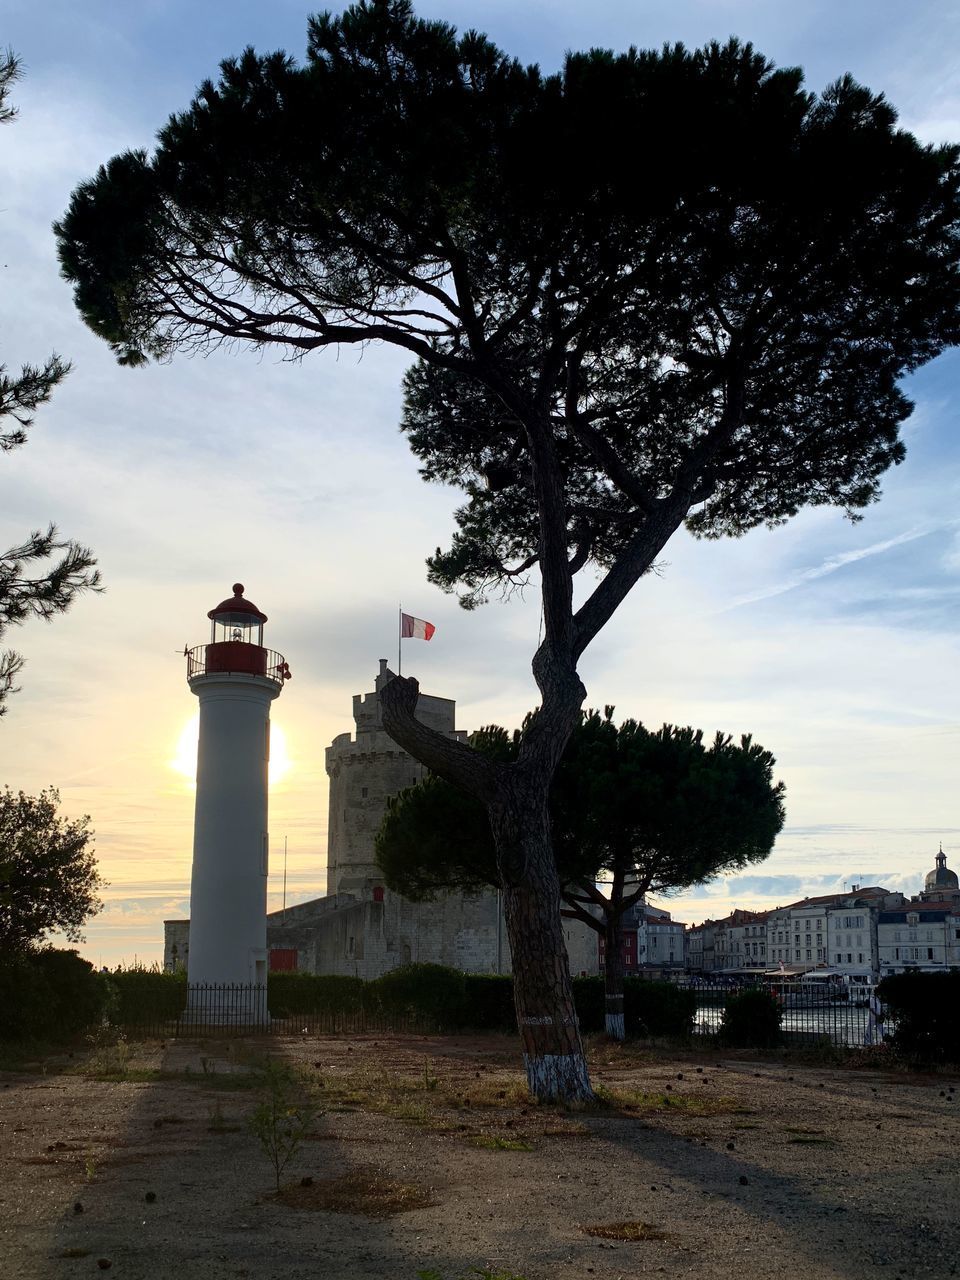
{"points": [[236, 658]]}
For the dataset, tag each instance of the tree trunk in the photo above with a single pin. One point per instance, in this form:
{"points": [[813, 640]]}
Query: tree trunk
{"points": [[516, 801], [543, 994], [613, 979]]}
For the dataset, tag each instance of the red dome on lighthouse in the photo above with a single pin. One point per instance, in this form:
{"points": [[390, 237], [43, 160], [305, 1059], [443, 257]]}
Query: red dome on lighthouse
{"points": [[236, 611]]}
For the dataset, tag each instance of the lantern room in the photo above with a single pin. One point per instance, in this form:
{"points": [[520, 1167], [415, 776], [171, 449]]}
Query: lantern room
{"points": [[236, 644], [236, 620]]}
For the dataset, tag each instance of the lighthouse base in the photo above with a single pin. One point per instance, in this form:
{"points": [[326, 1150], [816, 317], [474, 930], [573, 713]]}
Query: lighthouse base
{"points": [[226, 1005]]}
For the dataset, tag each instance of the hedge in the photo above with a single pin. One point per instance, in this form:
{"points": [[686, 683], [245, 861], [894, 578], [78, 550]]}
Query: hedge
{"points": [[50, 995], [650, 1008], [924, 1009], [446, 998], [751, 1019]]}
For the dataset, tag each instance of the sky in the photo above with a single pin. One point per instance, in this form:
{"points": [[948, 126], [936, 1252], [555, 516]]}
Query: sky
{"points": [[834, 644]]}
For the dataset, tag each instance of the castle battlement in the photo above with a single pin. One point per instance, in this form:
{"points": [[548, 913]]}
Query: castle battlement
{"points": [[365, 770]]}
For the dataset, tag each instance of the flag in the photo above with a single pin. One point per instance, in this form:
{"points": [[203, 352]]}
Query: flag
{"points": [[415, 628]]}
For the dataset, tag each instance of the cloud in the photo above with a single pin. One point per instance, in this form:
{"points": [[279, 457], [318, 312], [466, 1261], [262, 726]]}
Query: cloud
{"points": [[832, 563]]}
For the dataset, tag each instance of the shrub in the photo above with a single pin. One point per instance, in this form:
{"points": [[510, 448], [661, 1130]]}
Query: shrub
{"points": [[291, 993], [658, 1008], [751, 1019], [489, 999], [50, 995], [147, 996], [590, 1003], [649, 1007], [283, 1116], [924, 1008], [429, 991], [25, 998]]}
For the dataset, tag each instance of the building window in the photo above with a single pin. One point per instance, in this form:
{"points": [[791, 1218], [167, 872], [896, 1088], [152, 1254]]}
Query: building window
{"points": [[363, 793], [809, 955], [929, 953], [839, 958], [350, 946]]}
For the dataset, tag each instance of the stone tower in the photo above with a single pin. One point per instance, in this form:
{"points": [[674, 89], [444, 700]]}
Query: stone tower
{"points": [[364, 772]]}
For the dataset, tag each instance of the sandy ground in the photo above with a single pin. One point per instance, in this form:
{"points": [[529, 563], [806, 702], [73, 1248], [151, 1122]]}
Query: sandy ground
{"points": [[762, 1168]]}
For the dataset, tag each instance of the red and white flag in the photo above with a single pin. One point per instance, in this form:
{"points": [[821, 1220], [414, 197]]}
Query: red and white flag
{"points": [[415, 628]]}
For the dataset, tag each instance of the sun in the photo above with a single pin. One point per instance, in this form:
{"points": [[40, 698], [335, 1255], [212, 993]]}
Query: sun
{"points": [[184, 759]]}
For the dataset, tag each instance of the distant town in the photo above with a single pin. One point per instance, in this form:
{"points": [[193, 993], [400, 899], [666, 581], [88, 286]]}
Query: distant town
{"points": [[860, 935]]}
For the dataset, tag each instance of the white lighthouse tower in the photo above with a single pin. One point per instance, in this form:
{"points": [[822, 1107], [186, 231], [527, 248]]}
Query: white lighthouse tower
{"points": [[236, 679]]}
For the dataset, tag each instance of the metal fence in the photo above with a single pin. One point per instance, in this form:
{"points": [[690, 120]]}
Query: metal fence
{"points": [[238, 1010], [807, 1016]]}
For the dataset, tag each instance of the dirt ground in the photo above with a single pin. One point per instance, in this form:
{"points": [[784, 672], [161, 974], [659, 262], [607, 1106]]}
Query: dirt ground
{"points": [[719, 1166]]}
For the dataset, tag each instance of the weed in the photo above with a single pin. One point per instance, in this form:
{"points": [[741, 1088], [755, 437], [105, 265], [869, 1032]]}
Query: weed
{"points": [[493, 1142], [429, 1082], [89, 1166], [364, 1190], [282, 1116], [74, 1253], [571, 1130], [633, 1100], [110, 1054], [217, 1122], [632, 1231], [475, 1274]]}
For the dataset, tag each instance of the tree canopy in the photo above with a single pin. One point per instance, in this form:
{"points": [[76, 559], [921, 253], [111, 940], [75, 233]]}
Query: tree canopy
{"points": [[30, 587], [658, 810], [48, 872], [632, 812], [700, 280]]}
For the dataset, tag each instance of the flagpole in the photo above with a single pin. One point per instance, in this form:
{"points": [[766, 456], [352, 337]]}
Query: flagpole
{"points": [[399, 639]]}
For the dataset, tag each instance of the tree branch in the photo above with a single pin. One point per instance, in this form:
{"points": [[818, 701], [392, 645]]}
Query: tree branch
{"points": [[455, 761]]}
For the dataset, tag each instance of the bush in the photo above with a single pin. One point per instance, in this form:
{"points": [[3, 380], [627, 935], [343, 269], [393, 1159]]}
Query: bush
{"points": [[658, 1008], [489, 1000], [50, 995], [751, 1019], [25, 998], [145, 997], [924, 1008], [650, 1008], [291, 993], [432, 992]]}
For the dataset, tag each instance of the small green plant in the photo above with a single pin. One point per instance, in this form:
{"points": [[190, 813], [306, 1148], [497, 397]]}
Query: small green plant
{"points": [[492, 1142], [217, 1122], [89, 1166], [476, 1274], [429, 1082], [110, 1054], [283, 1116]]}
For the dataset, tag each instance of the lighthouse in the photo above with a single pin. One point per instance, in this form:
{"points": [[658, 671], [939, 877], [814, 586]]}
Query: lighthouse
{"points": [[236, 679]]}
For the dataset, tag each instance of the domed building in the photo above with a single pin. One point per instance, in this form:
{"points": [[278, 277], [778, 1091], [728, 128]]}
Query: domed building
{"points": [[941, 884]]}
